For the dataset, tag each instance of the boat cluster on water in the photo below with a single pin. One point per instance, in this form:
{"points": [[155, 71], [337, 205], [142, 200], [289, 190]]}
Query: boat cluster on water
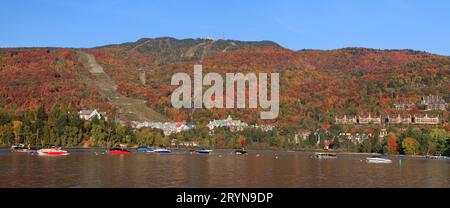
{"points": [[119, 150], [123, 150], [372, 159], [44, 151]]}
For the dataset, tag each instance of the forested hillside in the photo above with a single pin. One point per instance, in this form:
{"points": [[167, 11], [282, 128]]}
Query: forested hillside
{"points": [[315, 85]]}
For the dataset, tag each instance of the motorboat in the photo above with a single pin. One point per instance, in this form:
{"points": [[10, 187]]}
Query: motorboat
{"points": [[145, 149], [22, 148], [378, 159], [325, 155], [203, 151], [118, 151], [240, 152], [54, 151], [162, 151]]}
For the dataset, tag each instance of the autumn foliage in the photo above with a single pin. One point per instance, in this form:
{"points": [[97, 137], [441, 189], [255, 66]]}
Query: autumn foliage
{"points": [[315, 85], [392, 145]]}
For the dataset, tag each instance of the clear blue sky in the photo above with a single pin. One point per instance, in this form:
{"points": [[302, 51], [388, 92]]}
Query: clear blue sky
{"points": [[327, 24]]}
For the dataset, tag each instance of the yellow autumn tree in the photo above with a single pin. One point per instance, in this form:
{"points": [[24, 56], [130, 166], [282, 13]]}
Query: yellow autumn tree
{"points": [[411, 146], [17, 127]]}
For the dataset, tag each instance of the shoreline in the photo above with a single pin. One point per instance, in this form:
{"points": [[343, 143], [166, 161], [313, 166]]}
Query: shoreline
{"points": [[278, 151]]}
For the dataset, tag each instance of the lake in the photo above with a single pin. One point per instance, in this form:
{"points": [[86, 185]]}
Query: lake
{"points": [[91, 168]]}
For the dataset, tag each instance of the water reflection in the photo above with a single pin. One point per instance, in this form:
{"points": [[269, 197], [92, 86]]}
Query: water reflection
{"points": [[221, 169]]}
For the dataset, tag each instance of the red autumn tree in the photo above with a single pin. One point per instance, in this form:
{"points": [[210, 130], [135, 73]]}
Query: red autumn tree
{"points": [[392, 146], [242, 140]]}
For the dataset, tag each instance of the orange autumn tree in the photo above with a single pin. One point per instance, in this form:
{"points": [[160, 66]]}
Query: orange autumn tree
{"points": [[242, 140]]}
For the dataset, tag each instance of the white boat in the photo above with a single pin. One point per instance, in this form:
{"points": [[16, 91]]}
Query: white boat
{"points": [[378, 160], [52, 152], [162, 151], [325, 155], [22, 148]]}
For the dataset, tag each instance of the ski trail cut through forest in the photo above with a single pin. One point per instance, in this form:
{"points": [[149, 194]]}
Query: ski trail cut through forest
{"points": [[131, 109]]}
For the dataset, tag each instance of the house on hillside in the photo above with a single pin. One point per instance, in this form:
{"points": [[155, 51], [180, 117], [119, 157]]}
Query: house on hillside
{"points": [[188, 143], [403, 106], [356, 138], [91, 114], [168, 128], [433, 102], [301, 135], [263, 127], [383, 133]]}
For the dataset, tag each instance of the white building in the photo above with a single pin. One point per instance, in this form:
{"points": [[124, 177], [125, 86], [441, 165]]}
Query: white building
{"points": [[90, 114], [167, 127], [234, 125]]}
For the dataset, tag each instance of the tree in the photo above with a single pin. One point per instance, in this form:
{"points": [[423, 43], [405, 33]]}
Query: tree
{"points": [[17, 130], [391, 144], [41, 115], [437, 141], [144, 136], [6, 135], [418, 135], [241, 140], [365, 146], [411, 146], [98, 134]]}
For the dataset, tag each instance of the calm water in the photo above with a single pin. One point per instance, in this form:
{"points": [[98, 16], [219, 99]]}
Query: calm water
{"points": [[83, 168]]}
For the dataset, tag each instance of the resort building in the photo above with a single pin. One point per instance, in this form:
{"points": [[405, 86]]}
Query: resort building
{"points": [[264, 128], [346, 120], [369, 120], [390, 119], [167, 127], [434, 102], [91, 114], [399, 119], [426, 120], [234, 125], [357, 138], [403, 106]]}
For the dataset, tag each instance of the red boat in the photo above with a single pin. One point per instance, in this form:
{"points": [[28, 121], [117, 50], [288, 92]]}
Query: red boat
{"points": [[52, 151], [118, 151]]}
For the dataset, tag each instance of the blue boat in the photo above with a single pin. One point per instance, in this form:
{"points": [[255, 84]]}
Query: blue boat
{"points": [[144, 149], [203, 151]]}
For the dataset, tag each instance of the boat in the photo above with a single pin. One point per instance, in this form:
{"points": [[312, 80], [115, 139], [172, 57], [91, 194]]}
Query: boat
{"points": [[203, 151], [54, 151], [325, 155], [440, 157], [118, 151], [240, 152], [378, 159], [22, 148], [145, 149], [162, 151]]}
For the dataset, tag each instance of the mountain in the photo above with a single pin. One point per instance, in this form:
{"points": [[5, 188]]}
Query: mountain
{"points": [[188, 49], [315, 85]]}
